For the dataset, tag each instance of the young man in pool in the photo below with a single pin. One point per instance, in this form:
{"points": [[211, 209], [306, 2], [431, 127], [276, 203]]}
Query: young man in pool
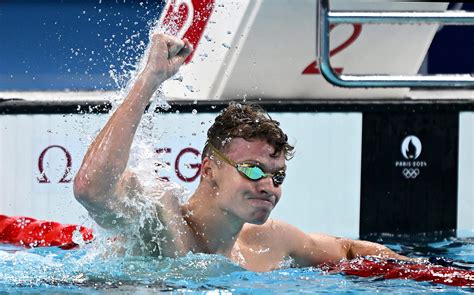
{"points": [[243, 169]]}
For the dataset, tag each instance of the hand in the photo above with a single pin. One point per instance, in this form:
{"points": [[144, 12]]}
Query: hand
{"points": [[167, 54]]}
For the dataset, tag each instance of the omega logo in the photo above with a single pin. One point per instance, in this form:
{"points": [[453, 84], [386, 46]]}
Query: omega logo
{"points": [[181, 164], [180, 167], [65, 178]]}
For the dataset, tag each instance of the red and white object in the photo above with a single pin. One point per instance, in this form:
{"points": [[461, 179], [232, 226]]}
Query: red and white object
{"points": [[29, 232]]}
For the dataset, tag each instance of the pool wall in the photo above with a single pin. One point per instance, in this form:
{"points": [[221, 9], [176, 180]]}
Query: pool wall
{"points": [[355, 172]]}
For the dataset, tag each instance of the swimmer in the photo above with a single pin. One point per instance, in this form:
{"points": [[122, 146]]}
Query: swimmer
{"points": [[242, 172]]}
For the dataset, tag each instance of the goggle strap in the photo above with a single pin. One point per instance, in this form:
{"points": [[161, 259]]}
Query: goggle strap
{"points": [[221, 155]]}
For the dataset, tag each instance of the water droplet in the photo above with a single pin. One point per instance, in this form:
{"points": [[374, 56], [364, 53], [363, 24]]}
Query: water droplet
{"points": [[203, 56], [178, 77], [194, 111], [190, 88]]}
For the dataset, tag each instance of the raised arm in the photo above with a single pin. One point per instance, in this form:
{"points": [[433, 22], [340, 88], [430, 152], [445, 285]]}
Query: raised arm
{"points": [[102, 178]]}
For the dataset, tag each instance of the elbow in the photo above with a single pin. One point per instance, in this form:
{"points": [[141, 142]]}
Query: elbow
{"points": [[85, 193], [90, 191], [349, 249], [80, 187]]}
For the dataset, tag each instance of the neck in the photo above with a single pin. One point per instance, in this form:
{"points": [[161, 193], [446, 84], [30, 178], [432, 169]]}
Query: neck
{"points": [[216, 229]]}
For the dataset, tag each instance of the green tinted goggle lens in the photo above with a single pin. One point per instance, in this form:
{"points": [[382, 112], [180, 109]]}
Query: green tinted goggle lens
{"points": [[254, 172]]}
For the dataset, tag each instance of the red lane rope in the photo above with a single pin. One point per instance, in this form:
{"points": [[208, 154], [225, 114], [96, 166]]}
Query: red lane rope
{"points": [[390, 269], [29, 232]]}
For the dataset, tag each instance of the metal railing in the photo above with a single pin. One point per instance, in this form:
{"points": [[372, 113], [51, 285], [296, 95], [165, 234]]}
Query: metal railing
{"points": [[327, 17]]}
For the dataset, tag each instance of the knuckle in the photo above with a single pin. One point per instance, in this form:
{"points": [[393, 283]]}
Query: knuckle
{"points": [[175, 40], [157, 36]]}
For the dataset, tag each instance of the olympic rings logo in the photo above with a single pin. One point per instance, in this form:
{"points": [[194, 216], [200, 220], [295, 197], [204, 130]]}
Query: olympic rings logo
{"points": [[411, 172]]}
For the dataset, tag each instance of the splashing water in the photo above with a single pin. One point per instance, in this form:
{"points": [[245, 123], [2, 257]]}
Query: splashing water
{"points": [[85, 268], [88, 270], [140, 215]]}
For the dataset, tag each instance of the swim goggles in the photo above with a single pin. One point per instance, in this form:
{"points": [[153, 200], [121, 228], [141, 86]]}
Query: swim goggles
{"points": [[250, 171]]}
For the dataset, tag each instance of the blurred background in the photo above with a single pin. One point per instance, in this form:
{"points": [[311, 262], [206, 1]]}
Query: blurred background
{"points": [[93, 44]]}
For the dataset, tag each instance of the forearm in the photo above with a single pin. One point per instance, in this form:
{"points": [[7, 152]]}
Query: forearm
{"points": [[107, 157]]}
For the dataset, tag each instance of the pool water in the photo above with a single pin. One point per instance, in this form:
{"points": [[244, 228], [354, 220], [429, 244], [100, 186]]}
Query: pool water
{"points": [[88, 270]]}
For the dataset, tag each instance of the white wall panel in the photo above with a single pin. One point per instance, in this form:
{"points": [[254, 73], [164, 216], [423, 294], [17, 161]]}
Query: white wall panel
{"points": [[321, 193], [465, 222]]}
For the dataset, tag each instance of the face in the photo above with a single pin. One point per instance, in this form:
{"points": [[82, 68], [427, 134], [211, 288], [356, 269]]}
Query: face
{"points": [[247, 200]]}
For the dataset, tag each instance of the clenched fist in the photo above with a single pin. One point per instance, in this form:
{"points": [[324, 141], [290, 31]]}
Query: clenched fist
{"points": [[166, 55]]}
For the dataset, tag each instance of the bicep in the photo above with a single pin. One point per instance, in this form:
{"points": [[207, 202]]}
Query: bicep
{"points": [[316, 249]]}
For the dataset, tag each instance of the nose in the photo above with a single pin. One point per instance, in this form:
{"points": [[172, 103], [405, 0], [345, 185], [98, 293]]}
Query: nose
{"points": [[267, 187]]}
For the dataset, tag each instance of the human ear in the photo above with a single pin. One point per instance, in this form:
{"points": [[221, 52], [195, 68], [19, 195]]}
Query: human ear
{"points": [[207, 171]]}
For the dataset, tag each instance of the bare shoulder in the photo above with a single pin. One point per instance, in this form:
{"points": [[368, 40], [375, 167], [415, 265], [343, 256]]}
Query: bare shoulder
{"points": [[306, 249], [269, 228], [273, 232]]}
